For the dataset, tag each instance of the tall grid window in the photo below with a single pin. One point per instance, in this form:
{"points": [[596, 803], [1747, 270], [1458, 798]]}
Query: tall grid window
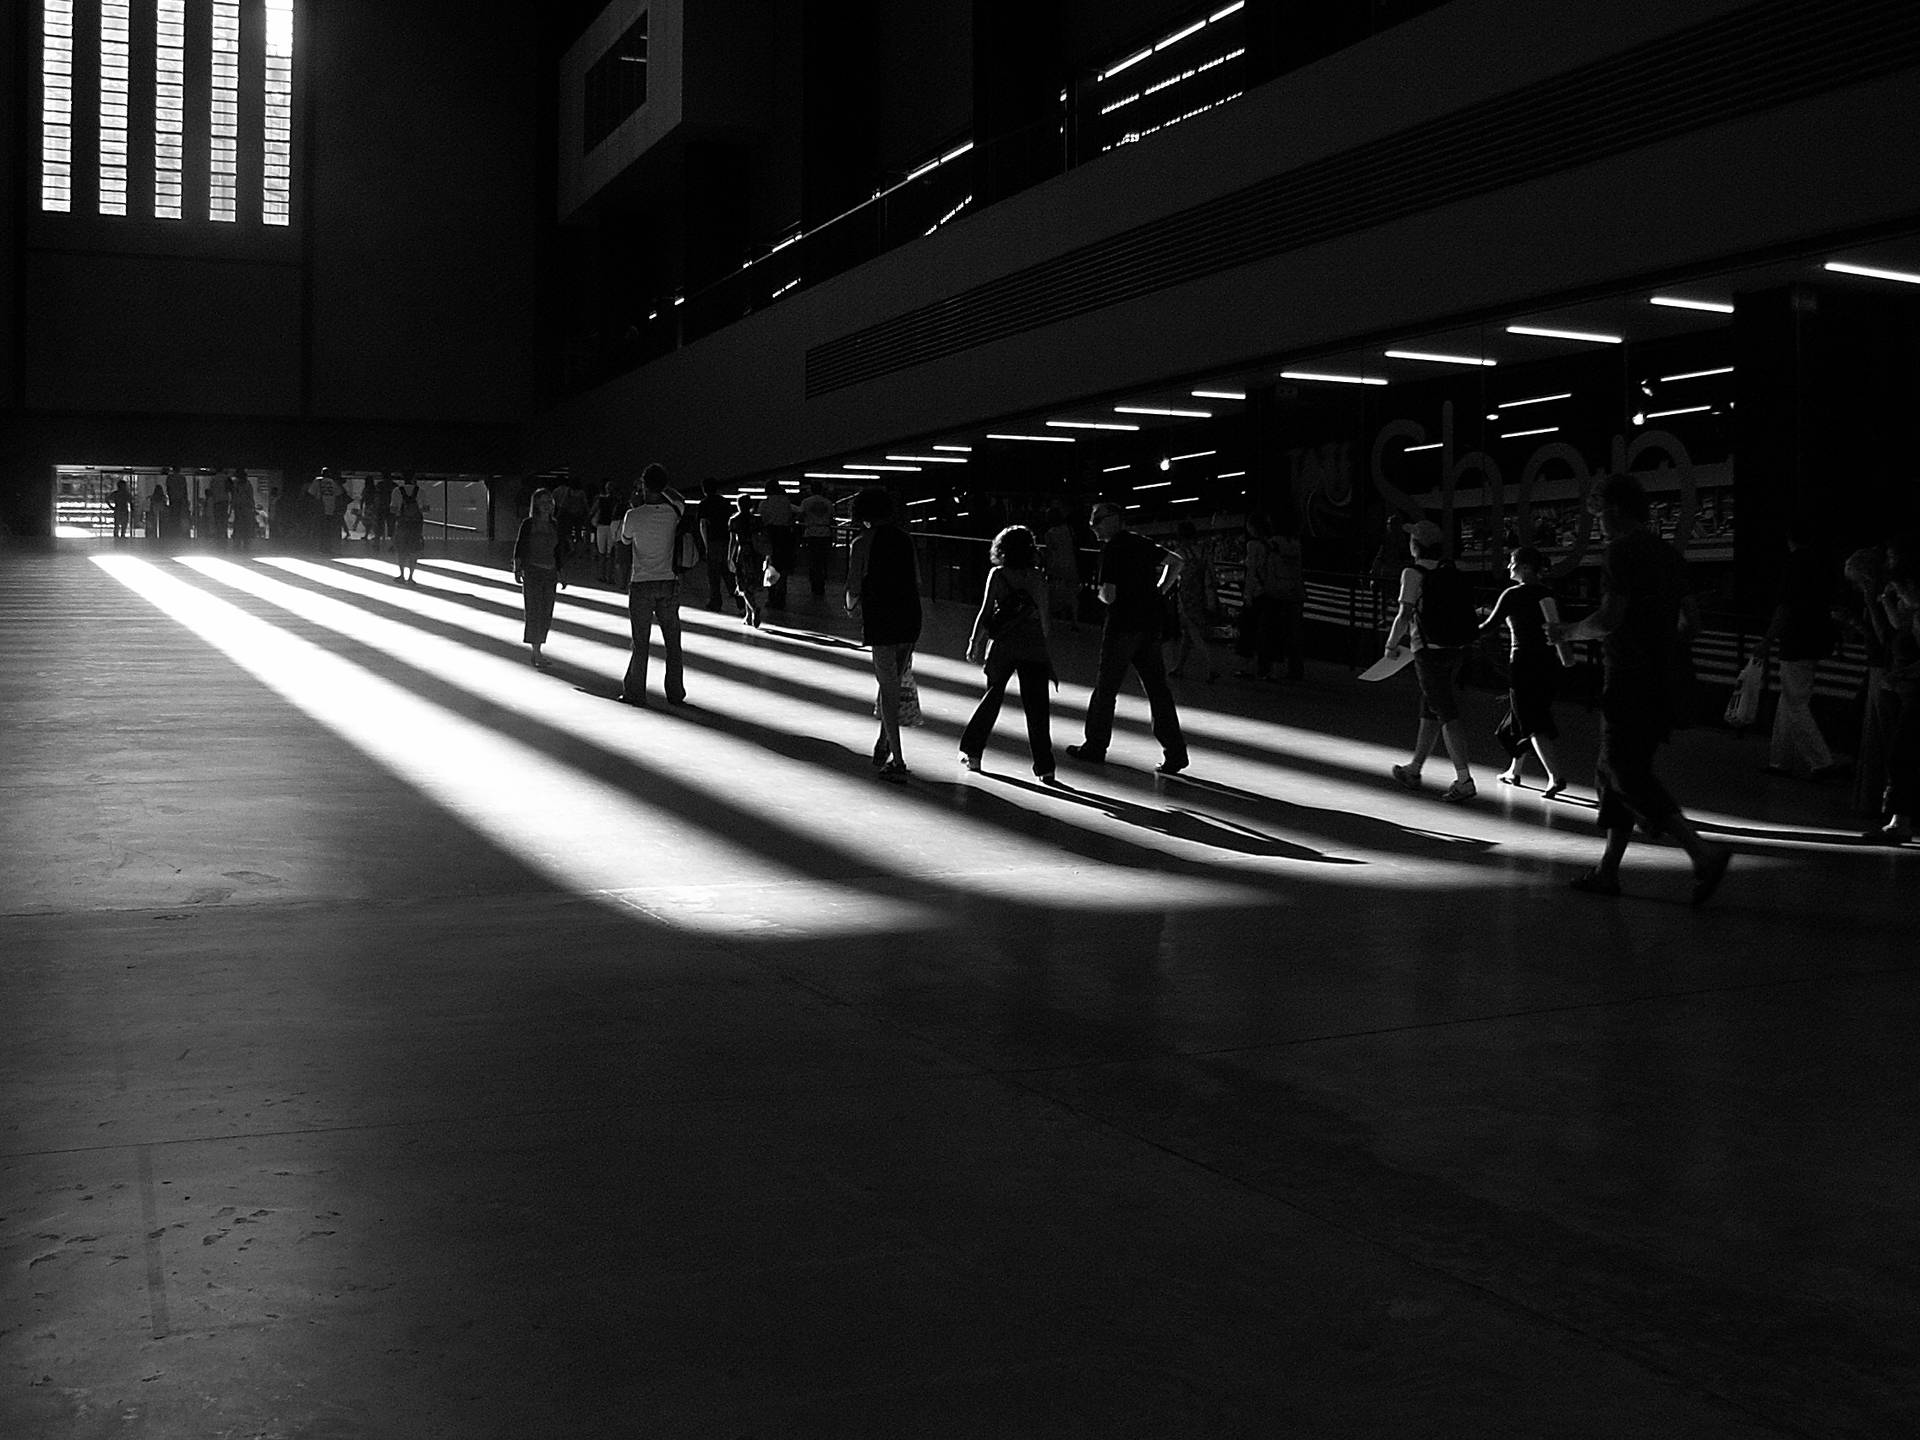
{"points": [[276, 185], [116, 35], [56, 105], [223, 167], [169, 106]]}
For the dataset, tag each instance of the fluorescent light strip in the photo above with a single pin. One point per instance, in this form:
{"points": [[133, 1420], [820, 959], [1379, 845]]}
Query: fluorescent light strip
{"points": [[1127, 63], [1333, 379], [832, 475], [928, 501], [1161, 410], [931, 459], [1696, 374], [1674, 302], [1196, 455], [864, 466], [1519, 434], [1872, 272], [1549, 333], [1531, 400], [1154, 485], [1047, 439], [1222, 14], [958, 449], [1683, 410], [1090, 425], [1230, 475], [1218, 394], [1430, 445], [1179, 35], [1438, 359], [1183, 500], [1112, 469]]}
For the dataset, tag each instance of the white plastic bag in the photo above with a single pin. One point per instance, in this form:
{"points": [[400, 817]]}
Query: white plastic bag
{"points": [[1743, 705]]}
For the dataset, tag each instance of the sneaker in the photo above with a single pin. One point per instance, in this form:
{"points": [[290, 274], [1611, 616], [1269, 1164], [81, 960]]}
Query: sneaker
{"points": [[1086, 755], [1459, 792], [1046, 777], [1407, 776], [1172, 765]]}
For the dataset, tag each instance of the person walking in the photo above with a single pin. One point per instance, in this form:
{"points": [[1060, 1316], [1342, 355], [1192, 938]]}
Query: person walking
{"points": [[1900, 608], [1135, 576], [1533, 671], [1803, 628], [883, 585], [1645, 612], [713, 514], [745, 560], [539, 556], [121, 503], [1435, 617], [246, 522], [1192, 598], [776, 521], [409, 528], [1010, 639], [653, 589], [609, 508], [816, 535]]}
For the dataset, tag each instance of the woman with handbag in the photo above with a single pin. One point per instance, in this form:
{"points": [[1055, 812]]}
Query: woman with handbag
{"points": [[883, 584], [1010, 639]]}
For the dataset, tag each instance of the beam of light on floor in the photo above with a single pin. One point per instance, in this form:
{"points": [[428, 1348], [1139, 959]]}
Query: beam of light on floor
{"points": [[851, 814], [1517, 824], [1360, 786], [583, 835]]}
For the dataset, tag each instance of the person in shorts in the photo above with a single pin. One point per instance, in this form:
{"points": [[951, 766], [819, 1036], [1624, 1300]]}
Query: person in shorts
{"points": [[1437, 661]]}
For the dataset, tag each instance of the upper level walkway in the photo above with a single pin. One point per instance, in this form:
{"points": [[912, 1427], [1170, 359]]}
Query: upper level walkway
{"points": [[402, 1040]]}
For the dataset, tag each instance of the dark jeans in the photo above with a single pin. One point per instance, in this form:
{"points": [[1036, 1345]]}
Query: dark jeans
{"points": [[1141, 650], [537, 587], [819, 553], [1623, 775], [1035, 676], [780, 547], [719, 586], [647, 601]]}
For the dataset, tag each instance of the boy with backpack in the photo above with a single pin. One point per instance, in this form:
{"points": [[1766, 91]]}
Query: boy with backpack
{"points": [[1436, 617]]}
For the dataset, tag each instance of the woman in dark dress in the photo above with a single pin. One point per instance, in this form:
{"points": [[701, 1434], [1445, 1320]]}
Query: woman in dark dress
{"points": [[539, 555], [409, 529], [883, 585], [1534, 670]]}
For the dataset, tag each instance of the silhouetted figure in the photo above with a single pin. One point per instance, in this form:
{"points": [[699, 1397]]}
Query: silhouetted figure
{"points": [[776, 522], [653, 591], [1435, 616], [539, 555], [883, 585], [1010, 638], [1644, 613], [1135, 577], [409, 529]]}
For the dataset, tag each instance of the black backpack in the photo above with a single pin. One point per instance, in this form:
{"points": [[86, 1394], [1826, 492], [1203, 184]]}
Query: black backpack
{"points": [[1446, 609]]}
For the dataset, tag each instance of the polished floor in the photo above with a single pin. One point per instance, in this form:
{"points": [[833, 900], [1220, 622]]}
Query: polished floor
{"points": [[400, 1041]]}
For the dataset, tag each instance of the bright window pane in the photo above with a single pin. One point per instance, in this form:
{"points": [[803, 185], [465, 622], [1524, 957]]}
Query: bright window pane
{"points": [[56, 106], [276, 190], [223, 169]]}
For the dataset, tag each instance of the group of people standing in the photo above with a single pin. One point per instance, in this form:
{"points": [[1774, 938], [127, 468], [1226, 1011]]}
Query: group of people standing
{"points": [[220, 511]]}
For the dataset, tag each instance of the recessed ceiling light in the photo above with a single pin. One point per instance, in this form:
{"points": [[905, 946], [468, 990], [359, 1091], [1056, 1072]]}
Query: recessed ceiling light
{"points": [[1111, 469], [1430, 445], [1218, 394], [1674, 302], [1872, 272], [1332, 379], [850, 465], [1196, 455], [1531, 400], [1683, 410], [1230, 475], [958, 449], [1552, 334], [1439, 359], [1162, 410], [1153, 485]]}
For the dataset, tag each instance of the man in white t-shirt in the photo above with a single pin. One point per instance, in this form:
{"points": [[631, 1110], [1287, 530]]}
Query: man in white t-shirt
{"points": [[653, 592]]}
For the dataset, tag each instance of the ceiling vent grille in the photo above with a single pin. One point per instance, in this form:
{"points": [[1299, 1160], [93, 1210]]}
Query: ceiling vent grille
{"points": [[1751, 60]]}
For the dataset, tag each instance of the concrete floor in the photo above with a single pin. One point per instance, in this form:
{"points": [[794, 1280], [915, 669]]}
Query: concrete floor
{"points": [[401, 1042]]}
